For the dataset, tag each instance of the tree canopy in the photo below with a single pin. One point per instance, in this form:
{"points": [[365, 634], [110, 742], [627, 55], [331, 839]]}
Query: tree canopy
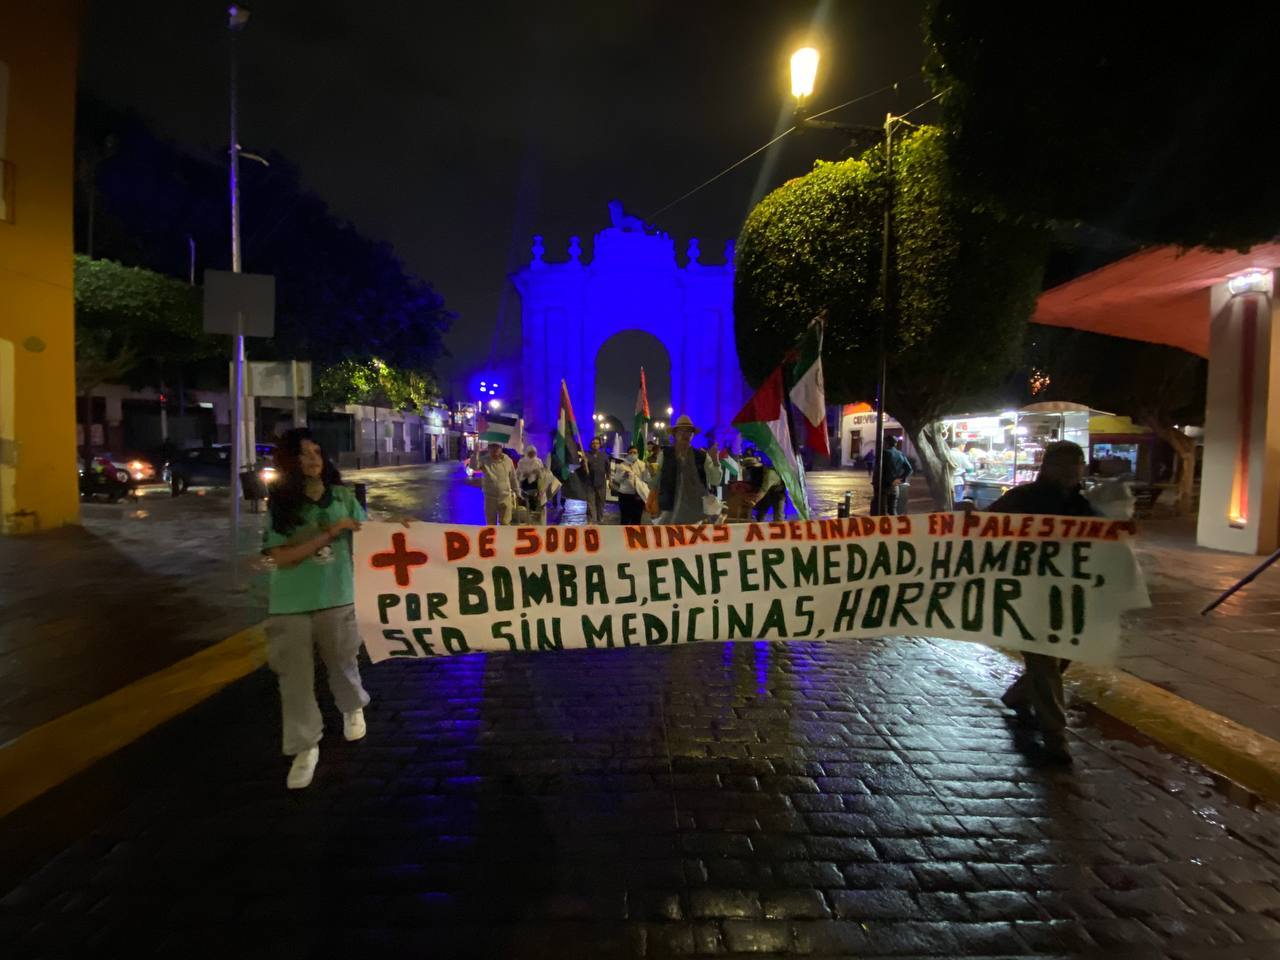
{"points": [[135, 325], [339, 294], [375, 383], [965, 282], [1112, 114]]}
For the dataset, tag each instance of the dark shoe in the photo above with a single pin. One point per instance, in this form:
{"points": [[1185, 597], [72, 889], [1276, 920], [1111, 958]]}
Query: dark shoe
{"points": [[1056, 752], [1023, 716]]}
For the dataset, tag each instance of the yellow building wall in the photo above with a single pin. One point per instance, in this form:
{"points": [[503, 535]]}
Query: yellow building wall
{"points": [[38, 486]]}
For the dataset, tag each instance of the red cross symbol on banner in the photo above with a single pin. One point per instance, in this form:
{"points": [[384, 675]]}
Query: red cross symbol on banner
{"points": [[399, 558]]}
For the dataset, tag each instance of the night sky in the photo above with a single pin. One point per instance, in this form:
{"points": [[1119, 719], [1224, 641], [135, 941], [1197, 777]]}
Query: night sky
{"points": [[456, 131]]}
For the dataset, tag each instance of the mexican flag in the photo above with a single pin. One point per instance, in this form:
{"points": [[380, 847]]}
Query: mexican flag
{"points": [[641, 426], [568, 442], [763, 422], [809, 395], [503, 428]]}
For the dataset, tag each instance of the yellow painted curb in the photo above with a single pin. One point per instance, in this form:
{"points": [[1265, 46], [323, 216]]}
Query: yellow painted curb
{"points": [[42, 758], [1245, 756]]}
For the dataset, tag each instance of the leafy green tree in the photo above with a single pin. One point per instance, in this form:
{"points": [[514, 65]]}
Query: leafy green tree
{"points": [[1114, 114], [133, 325], [374, 383], [1159, 387], [965, 282]]}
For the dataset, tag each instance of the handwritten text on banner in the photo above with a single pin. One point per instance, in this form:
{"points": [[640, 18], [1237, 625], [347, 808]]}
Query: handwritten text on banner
{"points": [[1054, 585]]}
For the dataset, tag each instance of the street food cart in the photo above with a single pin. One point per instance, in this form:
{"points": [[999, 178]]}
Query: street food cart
{"points": [[991, 453]]}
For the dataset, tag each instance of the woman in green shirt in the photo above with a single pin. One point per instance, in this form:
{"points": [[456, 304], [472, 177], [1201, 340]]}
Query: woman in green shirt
{"points": [[312, 596]]}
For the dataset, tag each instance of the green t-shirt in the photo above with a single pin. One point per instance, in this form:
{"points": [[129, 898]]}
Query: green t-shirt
{"points": [[326, 578]]}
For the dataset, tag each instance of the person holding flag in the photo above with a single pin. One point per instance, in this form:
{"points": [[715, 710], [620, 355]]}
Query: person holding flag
{"points": [[498, 480], [567, 450], [765, 421]]}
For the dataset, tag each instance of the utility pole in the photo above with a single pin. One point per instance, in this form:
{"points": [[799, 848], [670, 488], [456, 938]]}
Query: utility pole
{"points": [[237, 18], [877, 486]]}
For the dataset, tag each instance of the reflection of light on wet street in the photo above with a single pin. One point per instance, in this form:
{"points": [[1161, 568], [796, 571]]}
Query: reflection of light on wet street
{"points": [[441, 493]]}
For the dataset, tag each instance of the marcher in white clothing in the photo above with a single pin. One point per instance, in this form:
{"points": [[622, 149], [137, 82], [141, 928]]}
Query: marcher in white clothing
{"points": [[499, 484], [629, 480], [531, 476]]}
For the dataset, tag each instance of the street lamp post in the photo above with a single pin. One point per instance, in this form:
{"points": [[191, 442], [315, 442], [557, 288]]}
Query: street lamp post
{"points": [[804, 70], [237, 17]]}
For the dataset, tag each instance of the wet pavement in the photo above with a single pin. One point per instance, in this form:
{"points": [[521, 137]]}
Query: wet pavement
{"points": [[86, 610], [860, 798], [151, 585], [1228, 661]]}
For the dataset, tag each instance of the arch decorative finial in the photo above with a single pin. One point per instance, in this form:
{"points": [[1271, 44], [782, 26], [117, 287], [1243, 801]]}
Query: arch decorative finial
{"points": [[694, 251], [538, 250], [575, 249], [729, 249]]}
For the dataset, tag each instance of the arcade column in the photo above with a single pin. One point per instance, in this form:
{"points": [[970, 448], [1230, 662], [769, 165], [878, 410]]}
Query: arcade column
{"points": [[1240, 479]]}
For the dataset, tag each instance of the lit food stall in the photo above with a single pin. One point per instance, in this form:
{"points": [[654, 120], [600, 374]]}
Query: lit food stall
{"points": [[991, 453]]}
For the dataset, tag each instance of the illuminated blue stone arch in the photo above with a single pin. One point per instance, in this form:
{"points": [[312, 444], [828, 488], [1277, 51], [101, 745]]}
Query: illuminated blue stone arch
{"points": [[634, 282]]}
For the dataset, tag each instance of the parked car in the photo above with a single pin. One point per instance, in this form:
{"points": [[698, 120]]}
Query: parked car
{"points": [[211, 467], [144, 467], [106, 479]]}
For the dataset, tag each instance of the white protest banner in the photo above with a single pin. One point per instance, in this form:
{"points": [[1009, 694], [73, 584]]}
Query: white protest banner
{"points": [[1054, 585]]}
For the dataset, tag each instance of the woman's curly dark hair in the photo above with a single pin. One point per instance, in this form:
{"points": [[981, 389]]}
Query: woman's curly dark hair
{"points": [[288, 492]]}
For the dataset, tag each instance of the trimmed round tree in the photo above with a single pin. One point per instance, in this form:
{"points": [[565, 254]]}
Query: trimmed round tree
{"points": [[964, 283]]}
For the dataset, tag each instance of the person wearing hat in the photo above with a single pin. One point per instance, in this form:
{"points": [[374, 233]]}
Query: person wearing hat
{"points": [[685, 475], [498, 482]]}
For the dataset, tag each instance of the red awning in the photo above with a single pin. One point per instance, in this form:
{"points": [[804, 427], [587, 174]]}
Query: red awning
{"points": [[1160, 295]]}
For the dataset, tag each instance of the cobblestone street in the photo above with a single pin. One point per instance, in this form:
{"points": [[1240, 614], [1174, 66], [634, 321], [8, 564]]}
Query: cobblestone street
{"points": [[837, 799]]}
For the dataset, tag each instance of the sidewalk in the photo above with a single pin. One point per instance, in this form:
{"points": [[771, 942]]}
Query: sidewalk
{"points": [[1228, 661], [84, 611], [820, 799]]}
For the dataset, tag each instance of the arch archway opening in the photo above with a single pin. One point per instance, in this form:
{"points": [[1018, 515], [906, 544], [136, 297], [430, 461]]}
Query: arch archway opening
{"points": [[617, 379]]}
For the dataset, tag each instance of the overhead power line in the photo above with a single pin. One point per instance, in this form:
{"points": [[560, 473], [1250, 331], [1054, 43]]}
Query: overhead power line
{"points": [[756, 152]]}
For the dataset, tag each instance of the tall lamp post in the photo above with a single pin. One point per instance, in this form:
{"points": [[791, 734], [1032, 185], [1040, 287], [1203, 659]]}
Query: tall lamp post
{"points": [[804, 71], [237, 17]]}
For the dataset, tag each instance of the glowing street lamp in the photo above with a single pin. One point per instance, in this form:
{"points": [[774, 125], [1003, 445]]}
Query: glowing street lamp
{"points": [[495, 404], [804, 70]]}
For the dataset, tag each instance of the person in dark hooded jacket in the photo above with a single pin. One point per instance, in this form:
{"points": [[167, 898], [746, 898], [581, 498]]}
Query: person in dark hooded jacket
{"points": [[1036, 696]]}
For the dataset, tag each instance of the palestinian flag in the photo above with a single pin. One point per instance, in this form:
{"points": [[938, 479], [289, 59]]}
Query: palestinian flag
{"points": [[504, 428], [763, 422], [809, 395], [640, 429], [568, 442]]}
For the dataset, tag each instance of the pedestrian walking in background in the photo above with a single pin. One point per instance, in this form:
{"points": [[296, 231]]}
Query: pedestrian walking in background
{"points": [[597, 470], [1036, 696], [686, 475], [308, 538], [498, 480], [897, 470], [629, 481]]}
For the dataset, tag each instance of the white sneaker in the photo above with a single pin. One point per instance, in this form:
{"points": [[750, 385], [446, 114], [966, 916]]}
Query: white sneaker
{"points": [[303, 769], [353, 727]]}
